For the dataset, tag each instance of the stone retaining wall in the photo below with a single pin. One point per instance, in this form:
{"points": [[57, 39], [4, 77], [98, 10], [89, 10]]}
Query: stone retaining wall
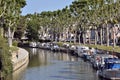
{"points": [[19, 58]]}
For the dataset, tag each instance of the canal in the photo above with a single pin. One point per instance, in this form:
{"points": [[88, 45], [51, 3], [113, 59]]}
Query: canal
{"points": [[48, 65]]}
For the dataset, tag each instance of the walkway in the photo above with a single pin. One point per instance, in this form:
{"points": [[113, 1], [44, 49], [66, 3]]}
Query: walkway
{"points": [[19, 58]]}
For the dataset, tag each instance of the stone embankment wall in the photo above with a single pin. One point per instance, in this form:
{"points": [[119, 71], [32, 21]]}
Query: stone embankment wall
{"points": [[19, 58]]}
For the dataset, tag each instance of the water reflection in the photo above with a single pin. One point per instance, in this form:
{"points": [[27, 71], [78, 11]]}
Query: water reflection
{"points": [[17, 75], [37, 59], [40, 57], [46, 65]]}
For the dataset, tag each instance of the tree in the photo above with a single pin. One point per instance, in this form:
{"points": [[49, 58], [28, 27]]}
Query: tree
{"points": [[11, 16]]}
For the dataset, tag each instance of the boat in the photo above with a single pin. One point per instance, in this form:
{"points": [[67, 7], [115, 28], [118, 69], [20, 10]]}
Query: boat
{"points": [[33, 44], [55, 48], [86, 55], [111, 69], [98, 60], [81, 49]]}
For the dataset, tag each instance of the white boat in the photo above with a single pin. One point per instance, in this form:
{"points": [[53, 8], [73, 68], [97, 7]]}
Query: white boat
{"points": [[80, 49], [33, 44], [55, 47]]}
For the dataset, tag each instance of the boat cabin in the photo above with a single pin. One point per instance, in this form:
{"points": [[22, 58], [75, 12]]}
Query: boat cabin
{"points": [[112, 63]]}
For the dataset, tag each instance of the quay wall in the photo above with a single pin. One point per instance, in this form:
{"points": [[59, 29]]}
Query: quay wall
{"points": [[19, 58]]}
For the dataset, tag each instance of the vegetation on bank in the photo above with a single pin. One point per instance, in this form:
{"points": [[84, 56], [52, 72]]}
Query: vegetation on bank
{"points": [[11, 22], [101, 47], [5, 57], [83, 20], [104, 47], [81, 16]]}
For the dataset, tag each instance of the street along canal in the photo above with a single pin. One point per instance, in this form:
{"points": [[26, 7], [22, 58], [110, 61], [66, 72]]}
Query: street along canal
{"points": [[48, 65]]}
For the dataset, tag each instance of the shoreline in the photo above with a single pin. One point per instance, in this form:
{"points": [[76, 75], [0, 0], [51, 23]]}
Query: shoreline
{"points": [[19, 58]]}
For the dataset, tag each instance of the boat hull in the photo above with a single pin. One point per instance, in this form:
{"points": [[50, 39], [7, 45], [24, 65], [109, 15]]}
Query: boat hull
{"points": [[109, 74]]}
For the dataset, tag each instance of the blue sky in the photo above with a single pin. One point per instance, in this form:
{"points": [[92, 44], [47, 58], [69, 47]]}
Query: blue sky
{"points": [[44, 5]]}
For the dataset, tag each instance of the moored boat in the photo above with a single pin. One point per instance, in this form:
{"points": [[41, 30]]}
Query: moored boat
{"points": [[33, 44], [81, 49], [111, 69], [98, 60], [55, 47]]}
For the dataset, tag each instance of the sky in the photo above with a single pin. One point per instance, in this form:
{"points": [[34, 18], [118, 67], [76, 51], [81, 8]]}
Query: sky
{"points": [[44, 5]]}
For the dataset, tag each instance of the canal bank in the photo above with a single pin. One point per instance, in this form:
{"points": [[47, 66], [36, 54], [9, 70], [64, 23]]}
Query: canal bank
{"points": [[49, 65], [19, 58], [103, 48]]}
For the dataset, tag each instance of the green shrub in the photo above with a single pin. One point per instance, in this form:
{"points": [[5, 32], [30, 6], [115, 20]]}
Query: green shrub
{"points": [[60, 43], [5, 57], [15, 43]]}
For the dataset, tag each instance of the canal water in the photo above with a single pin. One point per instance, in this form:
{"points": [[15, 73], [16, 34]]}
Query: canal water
{"points": [[48, 65]]}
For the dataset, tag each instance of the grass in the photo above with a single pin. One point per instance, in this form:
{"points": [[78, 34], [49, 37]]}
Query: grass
{"points": [[103, 47]]}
